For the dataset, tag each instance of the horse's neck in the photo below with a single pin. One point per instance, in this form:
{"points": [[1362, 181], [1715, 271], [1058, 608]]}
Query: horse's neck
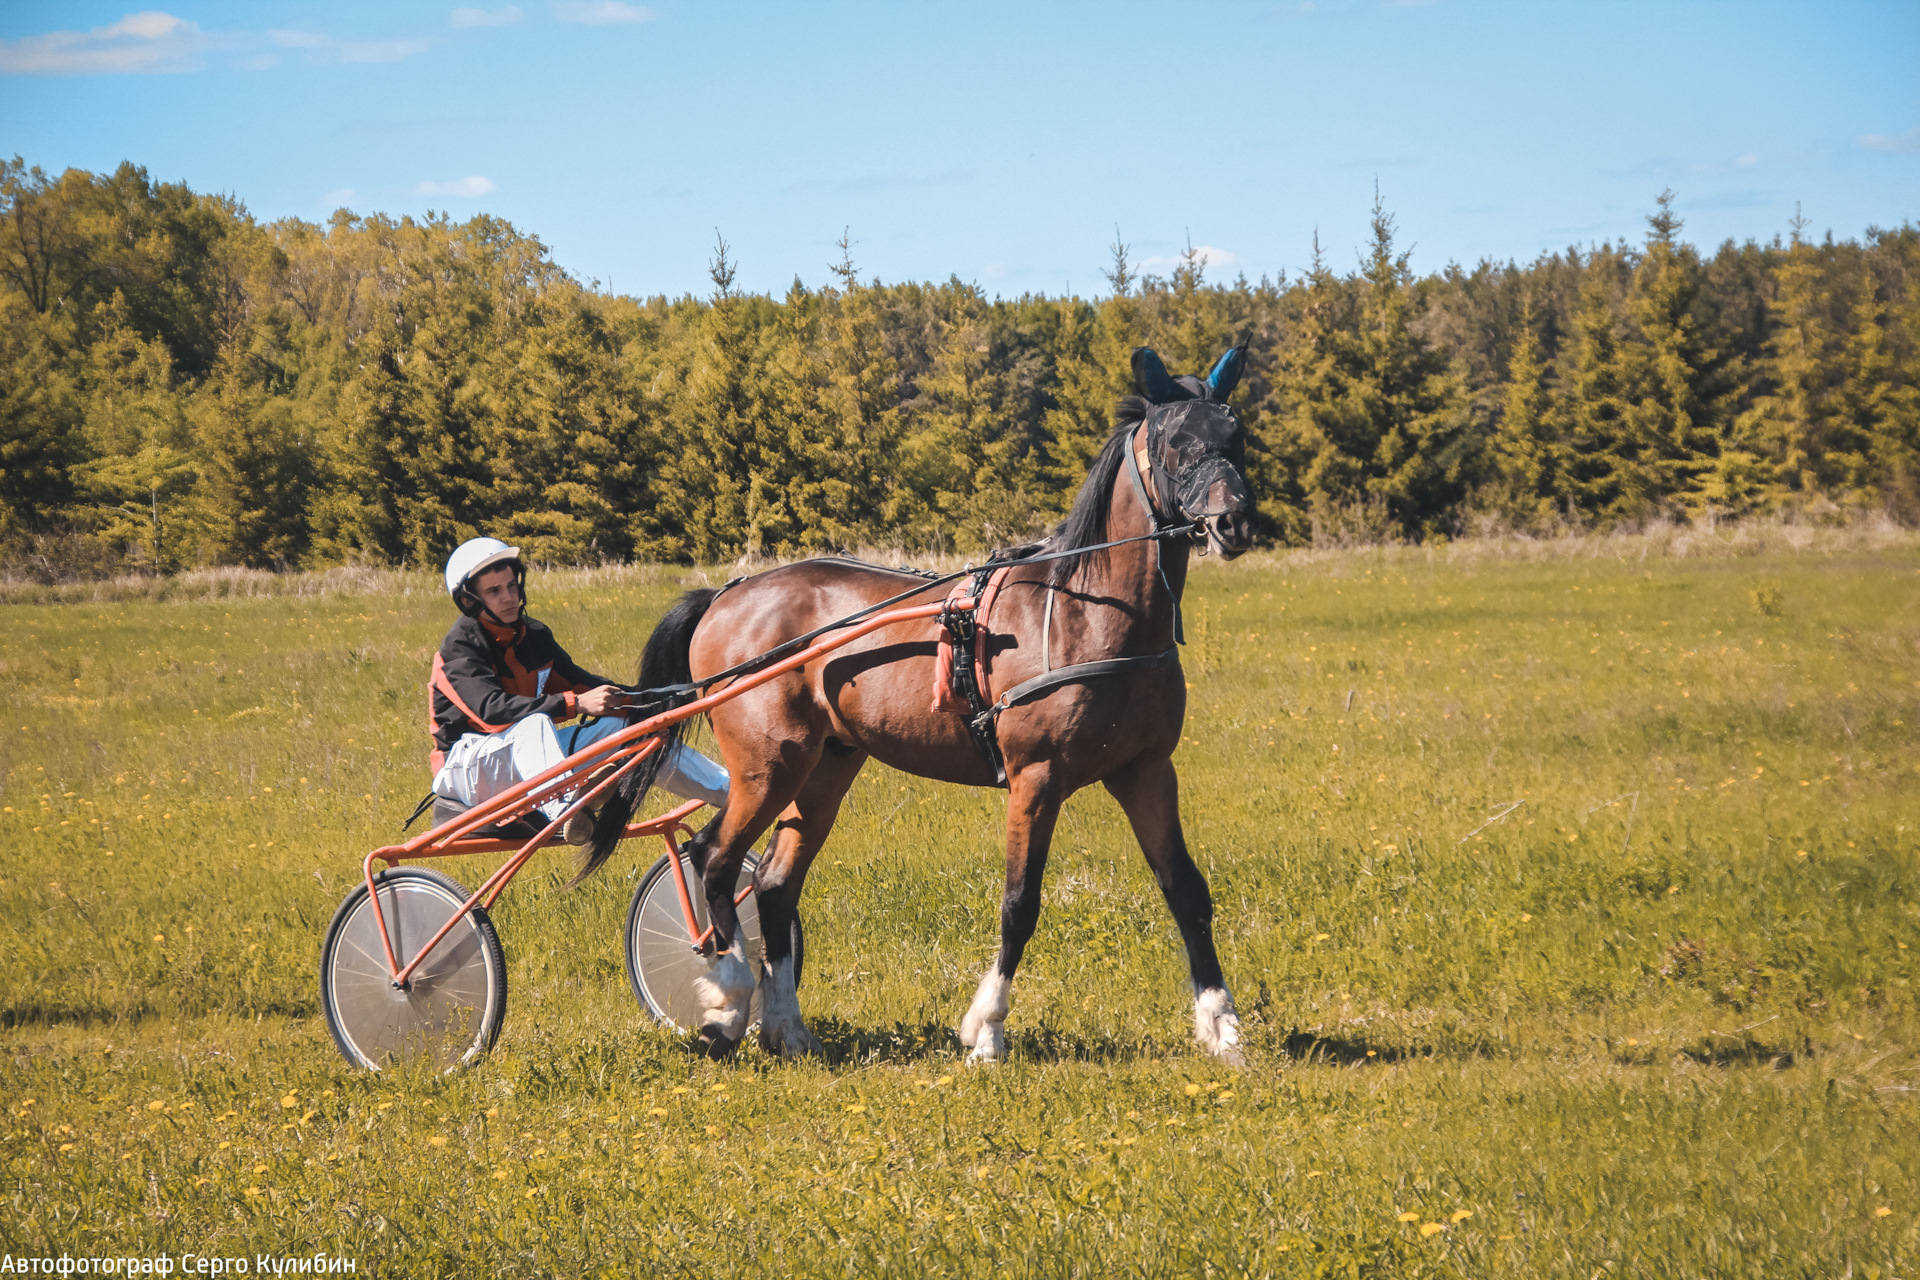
{"points": [[1135, 607]]}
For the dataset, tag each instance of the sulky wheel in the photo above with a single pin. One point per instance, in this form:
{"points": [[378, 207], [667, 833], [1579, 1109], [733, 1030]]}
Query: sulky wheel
{"points": [[661, 960], [453, 1003]]}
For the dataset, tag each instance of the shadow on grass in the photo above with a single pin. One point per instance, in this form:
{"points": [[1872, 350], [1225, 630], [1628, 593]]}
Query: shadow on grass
{"points": [[33, 1013]]}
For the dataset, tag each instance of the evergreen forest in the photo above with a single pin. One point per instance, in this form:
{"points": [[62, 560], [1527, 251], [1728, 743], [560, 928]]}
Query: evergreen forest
{"points": [[183, 385]]}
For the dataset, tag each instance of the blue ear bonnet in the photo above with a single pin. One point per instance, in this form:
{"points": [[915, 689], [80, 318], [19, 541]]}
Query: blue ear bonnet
{"points": [[1151, 379], [1225, 374]]}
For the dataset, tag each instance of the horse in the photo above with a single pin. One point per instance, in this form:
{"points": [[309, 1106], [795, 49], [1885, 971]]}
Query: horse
{"points": [[794, 745]]}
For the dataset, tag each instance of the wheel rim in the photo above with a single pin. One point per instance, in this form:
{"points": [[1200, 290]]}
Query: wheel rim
{"points": [[660, 956], [446, 1013]]}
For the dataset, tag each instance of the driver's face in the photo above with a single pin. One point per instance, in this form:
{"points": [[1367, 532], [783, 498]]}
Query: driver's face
{"points": [[498, 592]]}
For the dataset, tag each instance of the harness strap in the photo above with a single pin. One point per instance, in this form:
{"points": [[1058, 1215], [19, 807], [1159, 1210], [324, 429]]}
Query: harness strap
{"points": [[1153, 515], [1077, 672]]}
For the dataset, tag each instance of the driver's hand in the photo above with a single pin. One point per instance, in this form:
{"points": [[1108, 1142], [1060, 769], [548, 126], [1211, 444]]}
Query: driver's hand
{"points": [[599, 702]]}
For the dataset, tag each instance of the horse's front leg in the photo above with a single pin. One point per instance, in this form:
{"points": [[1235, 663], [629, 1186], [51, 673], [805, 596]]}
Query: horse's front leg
{"points": [[1033, 805], [1149, 792]]}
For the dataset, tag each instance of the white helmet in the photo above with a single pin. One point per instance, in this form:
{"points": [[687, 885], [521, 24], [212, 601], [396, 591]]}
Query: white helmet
{"points": [[473, 557]]}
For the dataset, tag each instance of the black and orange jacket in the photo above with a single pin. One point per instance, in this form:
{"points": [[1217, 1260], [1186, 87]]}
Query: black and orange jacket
{"points": [[486, 677]]}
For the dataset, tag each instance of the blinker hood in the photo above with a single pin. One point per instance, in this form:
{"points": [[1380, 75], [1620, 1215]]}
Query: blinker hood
{"points": [[1199, 453]]}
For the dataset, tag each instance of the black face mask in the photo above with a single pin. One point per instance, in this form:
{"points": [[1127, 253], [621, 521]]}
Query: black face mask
{"points": [[1200, 451]]}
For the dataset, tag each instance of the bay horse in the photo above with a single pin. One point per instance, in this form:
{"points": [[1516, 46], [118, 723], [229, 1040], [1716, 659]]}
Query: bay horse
{"points": [[794, 745]]}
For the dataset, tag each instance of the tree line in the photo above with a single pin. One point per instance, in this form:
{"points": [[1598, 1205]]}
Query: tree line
{"points": [[182, 384]]}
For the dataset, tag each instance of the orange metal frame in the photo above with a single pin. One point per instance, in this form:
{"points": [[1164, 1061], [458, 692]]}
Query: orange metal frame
{"points": [[626, 749]]}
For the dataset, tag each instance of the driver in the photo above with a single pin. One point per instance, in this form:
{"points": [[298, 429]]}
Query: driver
{"points": [[501, 683]]}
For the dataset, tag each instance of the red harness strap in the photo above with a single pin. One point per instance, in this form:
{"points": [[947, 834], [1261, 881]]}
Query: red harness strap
{"points": [[945, 697], [439, 681]]}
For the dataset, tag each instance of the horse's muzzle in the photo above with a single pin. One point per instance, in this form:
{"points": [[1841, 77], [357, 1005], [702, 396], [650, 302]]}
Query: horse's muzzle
{"points": [[1230, 534]]}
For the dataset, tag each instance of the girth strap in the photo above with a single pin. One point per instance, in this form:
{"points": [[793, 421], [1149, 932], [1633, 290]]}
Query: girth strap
{"points": [[1077, 672]]}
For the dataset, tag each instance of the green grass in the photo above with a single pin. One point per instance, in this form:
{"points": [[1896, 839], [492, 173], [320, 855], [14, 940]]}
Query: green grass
{"points": [[1659, 1020]]}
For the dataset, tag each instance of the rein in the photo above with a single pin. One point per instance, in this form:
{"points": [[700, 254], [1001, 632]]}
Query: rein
{"points": [[651, 698]]}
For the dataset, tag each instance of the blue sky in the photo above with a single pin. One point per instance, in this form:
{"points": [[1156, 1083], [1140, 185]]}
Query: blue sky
{"points": [[999, 143]]}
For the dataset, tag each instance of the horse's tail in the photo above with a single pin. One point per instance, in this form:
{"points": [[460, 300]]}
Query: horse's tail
{"points": [[664, 663]]}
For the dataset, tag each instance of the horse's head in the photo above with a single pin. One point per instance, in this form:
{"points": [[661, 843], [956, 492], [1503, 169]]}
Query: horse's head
{"points": [[1198, 448]]}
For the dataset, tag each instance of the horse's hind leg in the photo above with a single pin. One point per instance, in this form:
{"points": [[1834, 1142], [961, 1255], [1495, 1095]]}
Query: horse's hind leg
{"points": [[797, 837], [1033, 805], [1149, 792], [725, 992]]}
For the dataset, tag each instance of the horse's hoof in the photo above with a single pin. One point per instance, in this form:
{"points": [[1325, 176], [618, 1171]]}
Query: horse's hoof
{"points": [[1216, 1027], [715, 1044], [983, 1055], [791, 1042], [989, 1045]]}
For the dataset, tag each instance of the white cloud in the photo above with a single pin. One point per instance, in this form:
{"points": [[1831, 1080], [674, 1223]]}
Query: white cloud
{"points": [[329, 49], [1211, 258], [467, 188], [505, 16], [145, 42], [1748, 160], [1898, 143], [600, 12]]}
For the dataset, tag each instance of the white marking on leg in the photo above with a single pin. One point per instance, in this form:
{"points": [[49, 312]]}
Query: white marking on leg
{"points": [[725, 993], [1216, 1026], [782, 1032], [984, 1028]]}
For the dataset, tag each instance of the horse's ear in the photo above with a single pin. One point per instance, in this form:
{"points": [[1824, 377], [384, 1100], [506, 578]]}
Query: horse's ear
{"points": [[1225, 375], [1151, 379]]}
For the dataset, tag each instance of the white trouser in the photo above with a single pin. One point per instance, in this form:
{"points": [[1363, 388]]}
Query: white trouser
{"points": [[482, 765]]}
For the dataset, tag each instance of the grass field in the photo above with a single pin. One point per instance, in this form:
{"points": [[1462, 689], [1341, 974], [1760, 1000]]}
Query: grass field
{"points": [[1659, 1020]]}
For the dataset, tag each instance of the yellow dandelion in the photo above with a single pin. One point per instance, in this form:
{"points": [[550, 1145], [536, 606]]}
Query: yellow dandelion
{"points": [[1321, 937], [493, 1112], [980, 1172], [290, 1101], [532, 1192], [1192, 1089], [1432, 1228], [225, 1145], [1408, 1217], [658, 1111], [539, 1151], [252, 1191], [1316, 1173], [1882, 1211], [158, 937], [499, 1173], [1459, 1215], [680, 1088], [713, 1131], [1224, 1096], [949, 1079], [66, 1146], [156, 1105], [437, 1140], [856, 1108], [383, 1106]]}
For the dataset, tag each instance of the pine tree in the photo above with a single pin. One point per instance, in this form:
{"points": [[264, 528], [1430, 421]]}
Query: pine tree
{"points": [[1674, 381], [1600, 477], [1528, 455], [1795, 422], [255, 474], [1422, 456], [1876, 413]]}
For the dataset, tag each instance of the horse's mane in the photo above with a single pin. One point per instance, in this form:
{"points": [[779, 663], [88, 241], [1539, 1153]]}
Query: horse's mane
{"points": [[1086, 522]]}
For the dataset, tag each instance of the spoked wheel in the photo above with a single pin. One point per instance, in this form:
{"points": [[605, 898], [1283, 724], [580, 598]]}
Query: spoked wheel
{"points": [[453, 1004], [661, 960]]}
